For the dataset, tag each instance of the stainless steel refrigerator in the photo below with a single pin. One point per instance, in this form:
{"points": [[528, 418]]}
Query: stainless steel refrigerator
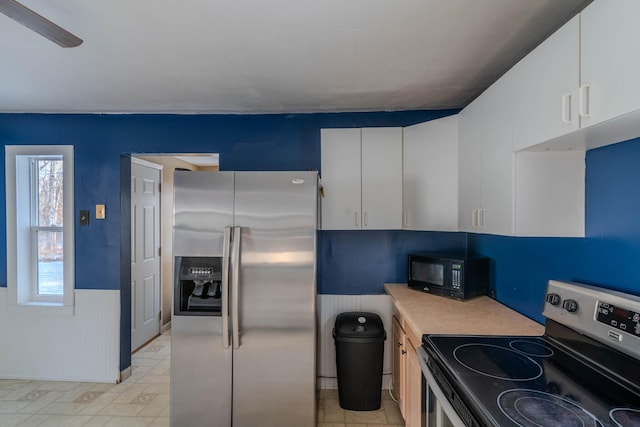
{"points": [[243, 327]]}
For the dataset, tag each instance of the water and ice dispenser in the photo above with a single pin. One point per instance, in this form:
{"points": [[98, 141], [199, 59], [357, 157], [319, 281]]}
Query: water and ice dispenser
{"points": [[198, 286]]}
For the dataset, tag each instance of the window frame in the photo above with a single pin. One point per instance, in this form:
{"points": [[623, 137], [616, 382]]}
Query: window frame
{"points": [[22, 279]]}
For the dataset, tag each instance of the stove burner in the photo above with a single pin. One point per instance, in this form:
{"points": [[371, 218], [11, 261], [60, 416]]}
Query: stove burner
{"points": [[497, 362], [535, 408], [625, 417], [531, 348]]}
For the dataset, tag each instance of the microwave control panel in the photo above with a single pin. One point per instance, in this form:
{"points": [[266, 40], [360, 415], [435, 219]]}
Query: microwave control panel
{"points": [[456, 275]]}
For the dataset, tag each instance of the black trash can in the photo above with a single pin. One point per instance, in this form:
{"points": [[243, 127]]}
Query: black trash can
{"points": [[359, 339]]}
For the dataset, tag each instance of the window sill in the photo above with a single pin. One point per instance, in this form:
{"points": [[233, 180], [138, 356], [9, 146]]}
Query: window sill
{"points": [[41, 308]]}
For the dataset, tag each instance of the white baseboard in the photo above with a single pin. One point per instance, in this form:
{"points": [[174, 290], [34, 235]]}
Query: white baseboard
{"points": [[125, 374], [164, 328]]}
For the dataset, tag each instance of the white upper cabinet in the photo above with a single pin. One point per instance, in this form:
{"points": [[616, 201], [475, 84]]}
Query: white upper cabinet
{"points": [[382, 178], [514, 193], [550, 193], [430, 175], [610, 59], [362, 178], [469, 165], [546, 89], [579, 88], [487, 162]]}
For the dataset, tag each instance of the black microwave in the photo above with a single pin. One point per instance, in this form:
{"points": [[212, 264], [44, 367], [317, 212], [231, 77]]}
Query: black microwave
{"points": [[454, 276]]}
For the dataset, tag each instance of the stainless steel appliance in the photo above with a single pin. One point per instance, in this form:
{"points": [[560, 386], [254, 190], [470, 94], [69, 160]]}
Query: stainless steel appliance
{"points": [[584, 371], [243, 327], [449, 275]]}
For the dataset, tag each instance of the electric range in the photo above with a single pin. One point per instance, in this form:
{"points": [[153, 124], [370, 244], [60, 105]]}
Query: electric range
{"points": [[584, 371]]}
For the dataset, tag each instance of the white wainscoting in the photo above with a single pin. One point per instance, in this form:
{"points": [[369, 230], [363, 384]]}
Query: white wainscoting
{"points": [[83, 346], [331, 305]]}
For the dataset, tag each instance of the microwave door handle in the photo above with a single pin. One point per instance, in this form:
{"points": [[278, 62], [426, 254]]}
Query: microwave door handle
{"points": [[235, 274], [225, 288]]}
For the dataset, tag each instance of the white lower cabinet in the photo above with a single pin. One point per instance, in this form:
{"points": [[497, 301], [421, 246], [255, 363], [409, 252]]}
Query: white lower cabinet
{"points": [[430, 175]]}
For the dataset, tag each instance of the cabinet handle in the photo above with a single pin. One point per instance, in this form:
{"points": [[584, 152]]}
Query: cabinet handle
{"points": [[365, 223], [566, 108], [480, 218], [405, 219], [356, 215], [584, 100], [475, 218]]}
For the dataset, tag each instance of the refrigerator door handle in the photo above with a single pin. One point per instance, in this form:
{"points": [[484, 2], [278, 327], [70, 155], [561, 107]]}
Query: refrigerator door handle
{"points": [[225, 288], [235, 263]]}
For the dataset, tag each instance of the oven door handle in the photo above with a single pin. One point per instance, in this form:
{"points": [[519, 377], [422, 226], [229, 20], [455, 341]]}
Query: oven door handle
{"points": [[432, 385]]}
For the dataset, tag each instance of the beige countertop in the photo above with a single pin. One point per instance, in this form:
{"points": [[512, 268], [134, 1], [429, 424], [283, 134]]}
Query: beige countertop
{"points": [[424, 313]]}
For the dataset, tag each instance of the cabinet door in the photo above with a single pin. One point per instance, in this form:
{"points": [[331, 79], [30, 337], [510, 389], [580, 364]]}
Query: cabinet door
{"points": [[470, 170], [382, 178], [398, 363], [430, 175], [340, 163], [550, 193], [546, 89], [496, 216], [610, 64], [413, 406]]}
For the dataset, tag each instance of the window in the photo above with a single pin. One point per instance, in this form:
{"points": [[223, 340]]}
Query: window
{"points": [[40, 251]]}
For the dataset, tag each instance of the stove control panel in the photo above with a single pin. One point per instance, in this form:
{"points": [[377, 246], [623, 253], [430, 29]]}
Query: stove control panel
{"points": [[605, 315], [619, 317]]}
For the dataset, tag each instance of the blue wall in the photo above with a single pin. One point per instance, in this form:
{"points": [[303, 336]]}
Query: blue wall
{"points": [[245, 142], [609, 256], [348, 262]]}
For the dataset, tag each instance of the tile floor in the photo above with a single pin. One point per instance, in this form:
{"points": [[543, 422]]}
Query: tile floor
{"points": [[330, 414], [142, 399]]}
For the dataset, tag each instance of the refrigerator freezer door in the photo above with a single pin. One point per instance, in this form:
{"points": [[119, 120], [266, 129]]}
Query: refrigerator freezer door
{"points": [[274, 364], [203, 207], [201, 366]]}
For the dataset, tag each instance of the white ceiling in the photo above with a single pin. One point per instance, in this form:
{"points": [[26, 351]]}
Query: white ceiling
{"points": [[254, 56]]}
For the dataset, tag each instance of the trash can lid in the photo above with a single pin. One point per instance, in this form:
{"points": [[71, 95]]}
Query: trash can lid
{"points": [[359, 324]]}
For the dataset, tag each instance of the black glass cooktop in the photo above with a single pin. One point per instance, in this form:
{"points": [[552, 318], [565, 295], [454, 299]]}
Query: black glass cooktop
{"points": [[531, 381]]}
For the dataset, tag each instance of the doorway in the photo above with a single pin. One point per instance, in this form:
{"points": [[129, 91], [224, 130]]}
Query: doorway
{"points": [[166, 163]]}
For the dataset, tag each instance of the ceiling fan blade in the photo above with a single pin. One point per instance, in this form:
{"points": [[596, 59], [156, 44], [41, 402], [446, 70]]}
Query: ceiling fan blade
{"points": [[38, 23]]}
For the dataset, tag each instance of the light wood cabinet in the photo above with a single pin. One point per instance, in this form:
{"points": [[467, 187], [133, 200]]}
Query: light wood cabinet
{"points": [[398, 354], [406, 374], [362, 178], [430, 175]]}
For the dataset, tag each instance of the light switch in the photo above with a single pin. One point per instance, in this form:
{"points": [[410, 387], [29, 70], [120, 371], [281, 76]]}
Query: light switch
{"points": [[100, 212], [84, 217]]}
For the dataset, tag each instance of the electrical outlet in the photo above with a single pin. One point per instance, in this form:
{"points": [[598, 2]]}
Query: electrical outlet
{"points": [[84, 217]]}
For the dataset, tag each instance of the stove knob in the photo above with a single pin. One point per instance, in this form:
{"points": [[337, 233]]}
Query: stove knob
{"points": [[570, 305], [553, 299]]}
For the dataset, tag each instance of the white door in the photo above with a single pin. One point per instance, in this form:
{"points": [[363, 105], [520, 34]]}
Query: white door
{"points": [[145, 252]]}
